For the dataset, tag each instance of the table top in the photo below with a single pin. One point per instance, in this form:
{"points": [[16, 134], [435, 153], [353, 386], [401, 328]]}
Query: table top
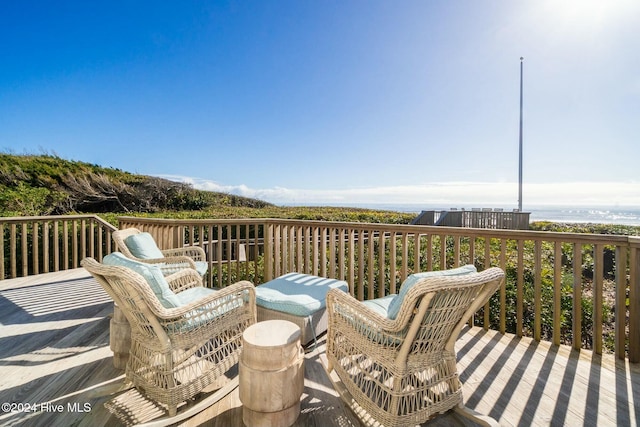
{"points": [[271, 333]]}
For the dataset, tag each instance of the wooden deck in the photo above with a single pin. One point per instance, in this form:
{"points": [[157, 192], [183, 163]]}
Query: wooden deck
{"points": [[55, 357]]}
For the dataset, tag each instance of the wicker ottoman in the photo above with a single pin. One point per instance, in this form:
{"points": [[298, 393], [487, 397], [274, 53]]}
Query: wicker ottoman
{"points": [[298, 298]]}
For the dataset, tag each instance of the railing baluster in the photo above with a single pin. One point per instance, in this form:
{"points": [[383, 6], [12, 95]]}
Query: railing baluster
{"points": [[13, 250], [577, 297], [375, 259], [557, 292], [520, 290], [219, 244], [417, 257], [334, 249], [323, 251], [341, 254], [382, 243], [2, 257], [292, 249], [443, 251], [25, 246], [429, 252], [537, 290], [351, 268], [371, 265], [598, 288], [65, 232], [456, 251], [35, 230], [56, 245], [45, 246], [503, 289], [361, 296], [634, 304], [622, 252]]}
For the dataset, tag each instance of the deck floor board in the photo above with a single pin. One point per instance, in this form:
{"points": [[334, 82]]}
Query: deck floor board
{"points": [[54, 350]]}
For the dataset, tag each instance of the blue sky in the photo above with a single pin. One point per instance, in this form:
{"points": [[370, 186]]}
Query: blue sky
{"points": [[334, 102]]}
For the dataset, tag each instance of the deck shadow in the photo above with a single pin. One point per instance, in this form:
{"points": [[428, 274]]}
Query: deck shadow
{"points": [[47, 302], [71, 395]]}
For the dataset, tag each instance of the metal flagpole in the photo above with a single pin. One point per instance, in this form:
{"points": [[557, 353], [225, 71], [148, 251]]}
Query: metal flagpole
{"points": [[520, 163]]}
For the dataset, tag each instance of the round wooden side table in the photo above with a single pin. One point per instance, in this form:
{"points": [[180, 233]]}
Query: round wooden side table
{"points": [[271, 372]]}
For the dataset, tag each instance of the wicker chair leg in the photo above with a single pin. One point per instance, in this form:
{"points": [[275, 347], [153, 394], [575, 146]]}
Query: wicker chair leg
{"points": [[394, 406], [476, 417]]}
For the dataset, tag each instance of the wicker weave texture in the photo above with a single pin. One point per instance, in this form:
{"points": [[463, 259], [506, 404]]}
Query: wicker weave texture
{"points": [[402, 372], [177, 353], [173, 260]]}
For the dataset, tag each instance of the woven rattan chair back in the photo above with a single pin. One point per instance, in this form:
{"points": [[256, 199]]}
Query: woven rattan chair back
{"points": [[178, 352], [402, 372]]}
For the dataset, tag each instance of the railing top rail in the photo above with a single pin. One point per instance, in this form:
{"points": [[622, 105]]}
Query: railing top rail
{"points": [[634, 240], [144, 220], [21, 219], [585, 238]]}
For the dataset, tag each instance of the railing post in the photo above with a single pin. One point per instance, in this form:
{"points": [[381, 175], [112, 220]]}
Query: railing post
{"points": [[520, 290], [621, 303], [177, 238], [577, 297], [268, 251], [598, 288], [369, 259], [634, 301], [2, 257]]}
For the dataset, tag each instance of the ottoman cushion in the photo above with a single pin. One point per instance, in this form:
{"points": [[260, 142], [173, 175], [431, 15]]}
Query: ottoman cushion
{"points": [[298, 298], [296, 293]]}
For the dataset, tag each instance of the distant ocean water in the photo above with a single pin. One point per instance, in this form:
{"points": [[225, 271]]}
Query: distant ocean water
{"points": [[599, 215]]}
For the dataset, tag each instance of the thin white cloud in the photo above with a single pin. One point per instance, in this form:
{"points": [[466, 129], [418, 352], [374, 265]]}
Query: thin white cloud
{"points": [[453, 194]]}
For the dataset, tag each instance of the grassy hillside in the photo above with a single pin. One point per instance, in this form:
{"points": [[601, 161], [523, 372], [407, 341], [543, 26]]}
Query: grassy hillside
{"points": [[45, 184], [48, 184]]}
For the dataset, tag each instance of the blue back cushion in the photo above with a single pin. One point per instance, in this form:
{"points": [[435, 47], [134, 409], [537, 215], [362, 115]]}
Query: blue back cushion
{"points": [[142, 245], [151, 273], [394, 307]]}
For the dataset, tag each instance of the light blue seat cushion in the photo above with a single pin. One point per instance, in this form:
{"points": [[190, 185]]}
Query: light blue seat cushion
{"points": [[297, 294], [193, 294], [393, 307], [142, 245], [151, 273], [381, 305], [204, 314]]}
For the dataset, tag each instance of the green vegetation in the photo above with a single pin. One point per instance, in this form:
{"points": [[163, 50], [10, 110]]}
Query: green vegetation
{"points": [[589, 228], [49, 185], [33, 185]]}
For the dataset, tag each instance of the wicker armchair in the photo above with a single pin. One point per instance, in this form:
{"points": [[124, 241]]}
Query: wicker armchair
{"points": [[169, 260], [402, 371], [180, 351]]}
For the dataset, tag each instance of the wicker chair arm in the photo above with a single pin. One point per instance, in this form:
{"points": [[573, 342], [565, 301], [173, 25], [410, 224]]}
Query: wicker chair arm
{"points": [[184, 279], [194, 252], [169, 264], [179, 259], [149, 260], [210, 301]]}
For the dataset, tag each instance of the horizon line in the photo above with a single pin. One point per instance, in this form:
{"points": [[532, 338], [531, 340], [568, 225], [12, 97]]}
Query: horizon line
{"points": [[455, 193]]}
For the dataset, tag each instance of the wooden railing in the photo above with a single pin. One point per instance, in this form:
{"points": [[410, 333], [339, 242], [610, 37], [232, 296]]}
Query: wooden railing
{"points": [[42, 244], [556, 282], [562, 287]]}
